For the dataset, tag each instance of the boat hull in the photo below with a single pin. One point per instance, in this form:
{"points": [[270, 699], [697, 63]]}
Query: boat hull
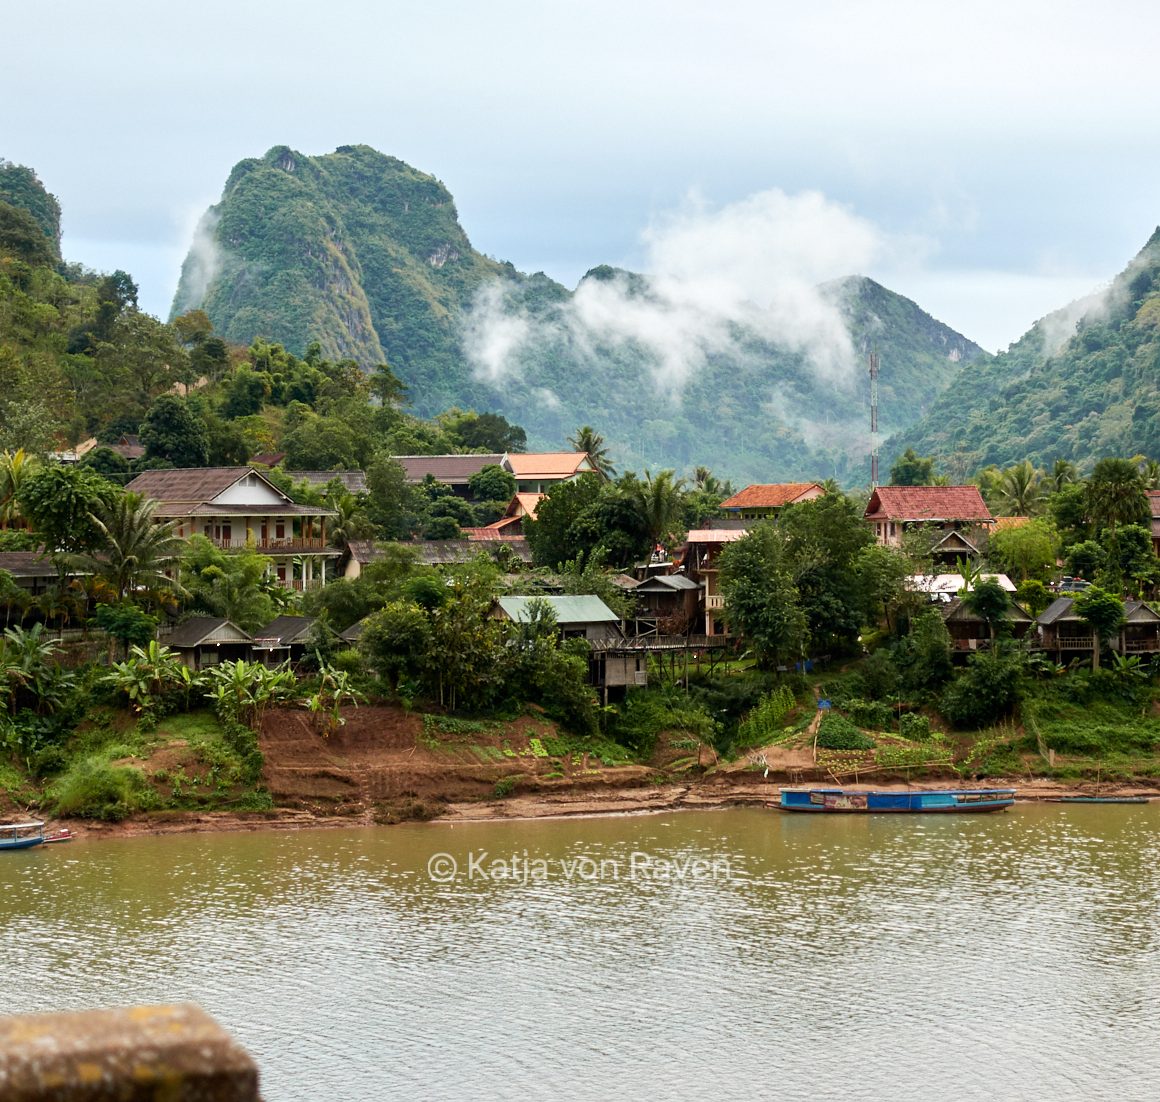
{"points": [[20, 843], [934, 802]]}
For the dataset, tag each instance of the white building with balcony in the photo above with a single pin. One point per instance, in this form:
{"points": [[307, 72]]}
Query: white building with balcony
{"points": [[236, 507]]}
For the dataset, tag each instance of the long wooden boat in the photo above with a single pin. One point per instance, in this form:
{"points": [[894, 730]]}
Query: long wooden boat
{"points": [[930, 800], [21, 835]]}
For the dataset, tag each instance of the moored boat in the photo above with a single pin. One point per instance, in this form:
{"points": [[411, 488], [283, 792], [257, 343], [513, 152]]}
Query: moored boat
{"points": [[927, 800], [21, 835]]}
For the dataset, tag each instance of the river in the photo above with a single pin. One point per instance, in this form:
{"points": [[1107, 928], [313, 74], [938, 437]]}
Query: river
{"points": [[733, 954]]}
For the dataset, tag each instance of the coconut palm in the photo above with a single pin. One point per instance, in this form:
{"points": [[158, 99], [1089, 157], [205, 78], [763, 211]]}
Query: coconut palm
{"points": [[15, 467], [1115, 494], [1063, 472], [1019, 489], [587, 439], [659, 501], [138, 549]]}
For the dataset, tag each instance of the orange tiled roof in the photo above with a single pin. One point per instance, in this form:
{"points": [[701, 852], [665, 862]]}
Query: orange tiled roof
{"points": [[1010, 522], [547, 464], [927, 503], [770, 496]]}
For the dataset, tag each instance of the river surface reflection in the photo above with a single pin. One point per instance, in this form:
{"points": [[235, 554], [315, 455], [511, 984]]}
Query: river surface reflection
{"points": [[734, 954]]}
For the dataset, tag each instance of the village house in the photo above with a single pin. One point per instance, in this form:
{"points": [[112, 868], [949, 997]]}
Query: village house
{"points": [[353, 482], [452, 470], [284, 639], [236, 507], [203, 641], [665, 604], [893, 510], [1064, 634], [1154, 508], [505, 550], [945, 587], [758, 502], [699, 561], [583, 617], [538, 472], [970, 632]]}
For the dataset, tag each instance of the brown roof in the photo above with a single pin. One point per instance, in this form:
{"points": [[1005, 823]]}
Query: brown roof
{"points": [[548, 464], [188, 484], [927, 503], [27, 564], [1154, 501], [771, 496], [455, 470]]}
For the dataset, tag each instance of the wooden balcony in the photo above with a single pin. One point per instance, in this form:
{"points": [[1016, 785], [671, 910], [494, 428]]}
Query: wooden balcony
{"points": [[1141, 646], [714, 601]]}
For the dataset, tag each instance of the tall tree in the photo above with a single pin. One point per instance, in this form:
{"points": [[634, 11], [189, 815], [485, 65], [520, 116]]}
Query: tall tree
{"points": [[1103, 612], [911, 469], [173, 431], [59, 503], [1115, 494], [659, 500], [761, 602], [1019, 490]]}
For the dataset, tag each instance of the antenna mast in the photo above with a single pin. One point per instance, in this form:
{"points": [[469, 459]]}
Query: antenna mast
{"points": [[873, 420]]}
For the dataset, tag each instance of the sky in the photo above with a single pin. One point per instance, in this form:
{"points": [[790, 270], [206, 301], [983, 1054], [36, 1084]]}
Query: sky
{"points": [[995, 160]]}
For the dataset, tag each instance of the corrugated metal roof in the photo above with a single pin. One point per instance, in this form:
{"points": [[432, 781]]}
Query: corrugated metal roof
{"points": [[287, 629], [771, 495], [927, 503], [206, 629], [568, 610], [1059, 609]]}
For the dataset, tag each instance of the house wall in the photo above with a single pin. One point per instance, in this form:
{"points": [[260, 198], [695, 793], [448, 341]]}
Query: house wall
{"points": [[250, 490]]}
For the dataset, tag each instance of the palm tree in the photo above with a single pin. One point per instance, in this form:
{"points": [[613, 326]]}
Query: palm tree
{"points": [[15, 467], [1063, 473], [138, 549], [1019, 489], [1115, 494], [659, 501], [587, 439]]}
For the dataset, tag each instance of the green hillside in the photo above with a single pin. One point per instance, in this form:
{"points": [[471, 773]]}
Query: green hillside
{"points": [[365, 254], [1082, 383]]}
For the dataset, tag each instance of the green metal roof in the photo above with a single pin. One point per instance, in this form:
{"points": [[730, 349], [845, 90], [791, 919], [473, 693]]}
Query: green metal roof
{"points": [[568, 610]]}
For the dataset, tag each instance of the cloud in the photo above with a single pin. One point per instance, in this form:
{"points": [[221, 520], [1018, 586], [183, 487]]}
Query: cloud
{"points": [[717, 277], [202, 262]]}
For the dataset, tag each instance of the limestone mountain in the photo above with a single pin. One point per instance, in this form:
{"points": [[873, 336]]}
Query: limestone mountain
{"points": [[1082, 383], [21, 191], [365, 254]]}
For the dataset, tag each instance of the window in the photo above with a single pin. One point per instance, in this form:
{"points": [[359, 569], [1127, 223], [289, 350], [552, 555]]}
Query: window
{"points": [[280, 529]]}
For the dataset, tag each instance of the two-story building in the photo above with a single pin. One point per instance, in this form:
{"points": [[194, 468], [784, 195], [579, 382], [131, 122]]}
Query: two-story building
{"points": [[236, 507], [699, 558], [893, 510], [758, 502]]}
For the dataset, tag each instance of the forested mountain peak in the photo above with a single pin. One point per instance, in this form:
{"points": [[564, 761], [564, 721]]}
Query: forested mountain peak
{"points": [[20, 188], [365, 254], [1081, 383]]}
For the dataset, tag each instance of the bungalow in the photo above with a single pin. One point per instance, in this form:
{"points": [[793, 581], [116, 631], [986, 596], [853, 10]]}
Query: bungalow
{"points": [[31, 571], [1064, 633], [969, 631], [353, 482], [203, 641], [576, 617], [1154, 507], [283, 638], [236, 507], [504, 549], [759, 501], [893, 510], [699, 558]]}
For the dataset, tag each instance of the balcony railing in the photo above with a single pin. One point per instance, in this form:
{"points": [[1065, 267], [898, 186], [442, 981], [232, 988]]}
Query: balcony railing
{"points": [[287, 546], [1140, 646], [714, 601]]}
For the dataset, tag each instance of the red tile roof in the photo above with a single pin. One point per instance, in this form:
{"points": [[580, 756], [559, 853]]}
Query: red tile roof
{"points": [[927, 503], [771, 496]]}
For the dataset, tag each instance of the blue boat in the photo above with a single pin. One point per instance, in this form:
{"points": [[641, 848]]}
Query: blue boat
{"points": [[21, 835], [930, 800]]}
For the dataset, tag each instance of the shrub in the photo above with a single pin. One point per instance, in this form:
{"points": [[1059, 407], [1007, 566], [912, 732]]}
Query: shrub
{"points": [[505, 786], [764, 724], [878, 677], [875, 714], [93, 789], [837, 733], [985, 692], [914, 727]]}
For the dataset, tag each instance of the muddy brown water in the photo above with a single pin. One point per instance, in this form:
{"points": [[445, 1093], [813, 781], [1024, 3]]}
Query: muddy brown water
{"points": [[733, 954]]}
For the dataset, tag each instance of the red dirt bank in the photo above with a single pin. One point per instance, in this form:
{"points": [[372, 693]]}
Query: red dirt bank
{"points": [[382, 766]]}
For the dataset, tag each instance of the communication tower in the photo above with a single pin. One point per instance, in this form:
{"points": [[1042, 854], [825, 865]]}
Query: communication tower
{"points": [[873, 420]]}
